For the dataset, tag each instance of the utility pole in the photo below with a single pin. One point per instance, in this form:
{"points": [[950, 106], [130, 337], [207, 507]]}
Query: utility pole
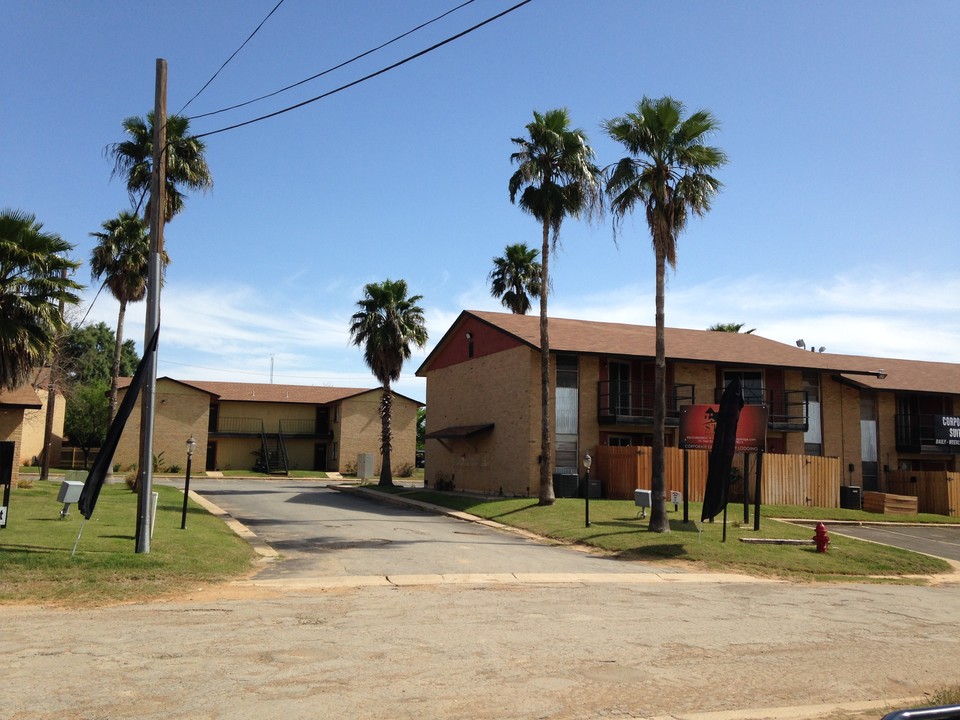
{"points": [[152, 322]]}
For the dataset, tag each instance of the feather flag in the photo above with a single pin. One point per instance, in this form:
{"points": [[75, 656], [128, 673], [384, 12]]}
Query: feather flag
{"points": [[98, 473], [722, 451]]}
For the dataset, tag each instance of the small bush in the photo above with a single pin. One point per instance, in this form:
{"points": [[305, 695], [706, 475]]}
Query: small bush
{"points": [[174, 469], [406, 470], [24, 482], [349, 468]]}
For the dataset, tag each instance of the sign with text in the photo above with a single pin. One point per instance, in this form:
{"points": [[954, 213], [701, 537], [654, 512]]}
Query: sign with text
{"points": [[698, 423], [946, 431]]}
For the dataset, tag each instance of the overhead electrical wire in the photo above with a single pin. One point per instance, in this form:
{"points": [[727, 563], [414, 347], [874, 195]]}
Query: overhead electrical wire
{"points": [[335, 67], [367, 77], [214, 77]]}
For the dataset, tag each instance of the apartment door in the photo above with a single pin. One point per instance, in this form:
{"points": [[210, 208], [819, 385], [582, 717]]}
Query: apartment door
{"points": [[320, 456]]}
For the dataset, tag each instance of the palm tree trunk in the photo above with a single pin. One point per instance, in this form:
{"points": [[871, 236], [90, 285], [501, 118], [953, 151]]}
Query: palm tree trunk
{"points": [[117, 351], [386, 401], [546, 495], [658, 501]]}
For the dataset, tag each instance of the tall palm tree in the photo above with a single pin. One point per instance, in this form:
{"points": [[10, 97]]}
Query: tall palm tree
{"points": [[121, 257], [186, 164], [386, 324], [516, 277], [33, 282], [555, 177], [667, 172], [731, 328]]}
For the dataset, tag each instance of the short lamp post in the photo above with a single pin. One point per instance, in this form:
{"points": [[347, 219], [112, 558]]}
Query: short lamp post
{"points": [[191, 444], [587, 462]]}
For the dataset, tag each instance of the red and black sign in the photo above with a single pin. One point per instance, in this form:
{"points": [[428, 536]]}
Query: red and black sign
{"points": [[698, 424]]}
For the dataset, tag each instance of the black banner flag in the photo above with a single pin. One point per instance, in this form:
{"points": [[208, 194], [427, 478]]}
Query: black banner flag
{"points": [[98, 473], [724, 447]]}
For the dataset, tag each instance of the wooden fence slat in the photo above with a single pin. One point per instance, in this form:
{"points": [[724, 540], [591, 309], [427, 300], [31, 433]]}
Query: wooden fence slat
{"points": [[787, 479]]}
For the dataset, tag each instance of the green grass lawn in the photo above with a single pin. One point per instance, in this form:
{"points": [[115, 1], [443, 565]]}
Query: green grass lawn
{"points": [[35, 549], [615, 528]]}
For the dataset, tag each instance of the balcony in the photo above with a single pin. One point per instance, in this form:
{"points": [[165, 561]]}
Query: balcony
{"points": [[786, 409], [917, 433], [632, 403], [254, 427]]}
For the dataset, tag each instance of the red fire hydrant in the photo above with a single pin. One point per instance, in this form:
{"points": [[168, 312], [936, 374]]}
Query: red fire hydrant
{"points": [[821, 538]]}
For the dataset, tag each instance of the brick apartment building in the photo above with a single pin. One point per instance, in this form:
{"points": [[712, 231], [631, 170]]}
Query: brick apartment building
{"points": [[876, 415]]}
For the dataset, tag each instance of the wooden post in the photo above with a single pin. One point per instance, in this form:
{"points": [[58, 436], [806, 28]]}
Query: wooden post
{"points": [[756, 493], [746, 495]]}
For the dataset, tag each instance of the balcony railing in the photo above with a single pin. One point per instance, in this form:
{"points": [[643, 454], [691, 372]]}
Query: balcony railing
{"points": [[916, 433], [238, 426], [786, 409], [619, 402], [304, 428]]}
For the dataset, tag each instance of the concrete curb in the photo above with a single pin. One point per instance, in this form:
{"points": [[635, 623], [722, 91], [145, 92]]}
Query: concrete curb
{"points": [[801, 712]]}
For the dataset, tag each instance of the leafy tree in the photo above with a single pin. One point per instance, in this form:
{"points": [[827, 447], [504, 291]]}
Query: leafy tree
{"points": [[33, 283], [86, 353], [667, 173], [187, 167], [386, 324], [87, 417], [421, 427], [555, 178], [516, 277], [731, 328], [121, 258]]}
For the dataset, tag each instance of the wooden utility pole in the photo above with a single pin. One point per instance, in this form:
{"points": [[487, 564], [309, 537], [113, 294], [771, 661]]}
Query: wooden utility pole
{"points": [[52, 381], [152, 322]]}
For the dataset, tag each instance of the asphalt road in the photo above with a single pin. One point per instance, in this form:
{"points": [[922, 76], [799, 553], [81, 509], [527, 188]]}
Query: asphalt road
{"points": [[321, 532], [940, 540]]}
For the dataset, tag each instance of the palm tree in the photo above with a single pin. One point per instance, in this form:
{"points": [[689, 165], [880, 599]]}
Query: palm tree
{"points": [[121, 258], [385, 325], [731, 328], [186, 165], [516, 277], [667, 173], [33, 283], [555, 177]]}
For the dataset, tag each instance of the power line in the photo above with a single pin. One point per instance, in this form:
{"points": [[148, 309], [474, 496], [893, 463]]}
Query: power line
{"points": [[370, 76], [214, 77], [278, 374], [332, 69]]}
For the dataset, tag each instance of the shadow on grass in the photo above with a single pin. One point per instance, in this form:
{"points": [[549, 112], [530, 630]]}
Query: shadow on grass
{"points": [[512, 512], [663, 550]]}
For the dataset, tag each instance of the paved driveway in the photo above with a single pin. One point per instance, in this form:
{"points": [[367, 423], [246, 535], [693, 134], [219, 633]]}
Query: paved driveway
{"points": [[320, 532], [940, 541]]}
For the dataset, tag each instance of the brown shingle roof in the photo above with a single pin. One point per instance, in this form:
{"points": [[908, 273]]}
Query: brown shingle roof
{"points": [[24, 396], [265, 392], [590, 337]]}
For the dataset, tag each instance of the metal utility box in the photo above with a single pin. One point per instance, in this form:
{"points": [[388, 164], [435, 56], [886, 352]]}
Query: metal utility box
{"points": [[850, 497], [565, 483], [70, 491], [365, 467], [642, 498]]}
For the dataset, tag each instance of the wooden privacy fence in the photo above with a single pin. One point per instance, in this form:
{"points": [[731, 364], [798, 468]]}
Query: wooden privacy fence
{"points": [[936, 492], [786, 480]]}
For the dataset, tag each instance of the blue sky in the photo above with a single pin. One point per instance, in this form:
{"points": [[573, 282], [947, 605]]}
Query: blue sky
{"points": [[838, 220]]}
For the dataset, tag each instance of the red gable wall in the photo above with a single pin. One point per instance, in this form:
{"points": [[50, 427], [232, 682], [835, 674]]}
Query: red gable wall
{"points": [[486, 341]]}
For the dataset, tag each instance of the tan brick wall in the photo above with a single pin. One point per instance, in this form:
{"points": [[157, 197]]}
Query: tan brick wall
{"points": [[702, 376], [34, 426], [180, 412], [487, 390], [358, 431], [588, 425], [841, 427], [887, 454]]}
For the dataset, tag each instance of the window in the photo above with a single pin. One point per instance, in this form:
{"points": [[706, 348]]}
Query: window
{"points": [[813, 437], [752, 383], [619, 375], [619, 441]]}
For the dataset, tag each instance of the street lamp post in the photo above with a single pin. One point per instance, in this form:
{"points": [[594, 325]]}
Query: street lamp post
{"points": [[191, 444], [587, 462]]}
